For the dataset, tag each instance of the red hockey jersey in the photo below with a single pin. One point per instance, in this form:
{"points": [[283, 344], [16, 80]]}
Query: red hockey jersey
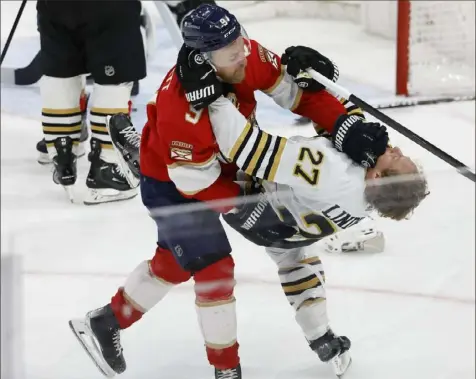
{"points": [[178, 143]]}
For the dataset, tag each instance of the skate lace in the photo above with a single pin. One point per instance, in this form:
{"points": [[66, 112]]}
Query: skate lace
{"points": [[118, 169], [131, 136], [116, 340], [228, 374]]}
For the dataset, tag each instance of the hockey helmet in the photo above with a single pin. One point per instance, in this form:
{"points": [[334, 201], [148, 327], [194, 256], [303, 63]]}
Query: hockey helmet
{"points": [[216, 34]]}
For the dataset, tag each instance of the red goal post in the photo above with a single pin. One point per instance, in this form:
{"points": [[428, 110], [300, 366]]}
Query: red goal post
{"points": [[435, 48]]}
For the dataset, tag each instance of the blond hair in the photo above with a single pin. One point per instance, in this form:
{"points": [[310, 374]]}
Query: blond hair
{"points": [[396, 196]]}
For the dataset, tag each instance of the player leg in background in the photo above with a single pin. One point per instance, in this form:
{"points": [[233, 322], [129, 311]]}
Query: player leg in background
{"points": [[303, 280], [191, 243], [115, 57], [43, 156], [62, 65]]}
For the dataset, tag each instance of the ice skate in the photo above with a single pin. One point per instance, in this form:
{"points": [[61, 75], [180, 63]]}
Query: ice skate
{"points": [[233, 373], [357, 239], [106, 182], [126, 141], [335, 350], [99, 335], [64, 171]]}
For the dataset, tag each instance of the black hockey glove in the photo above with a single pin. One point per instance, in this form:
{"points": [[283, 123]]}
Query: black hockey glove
{"points": [[198, 79], [362, 141], [299, 58], [258, 222]]}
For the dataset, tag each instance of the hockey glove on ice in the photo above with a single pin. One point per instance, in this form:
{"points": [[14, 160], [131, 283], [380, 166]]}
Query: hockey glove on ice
{"points": [[258, 222], [362, 141], [198, 79], [299, 58]]}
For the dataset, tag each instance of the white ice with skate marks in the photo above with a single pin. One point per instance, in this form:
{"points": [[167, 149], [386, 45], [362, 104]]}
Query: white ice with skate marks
{"points": [[409, 311]]}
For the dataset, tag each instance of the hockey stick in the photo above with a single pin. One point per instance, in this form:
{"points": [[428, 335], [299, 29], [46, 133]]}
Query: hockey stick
{"points": [[337, 89], [170, 23], [12, 31]]}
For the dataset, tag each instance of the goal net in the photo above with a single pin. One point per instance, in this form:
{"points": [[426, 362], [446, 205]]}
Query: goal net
{"points": [[434, 40], [436, 47]]}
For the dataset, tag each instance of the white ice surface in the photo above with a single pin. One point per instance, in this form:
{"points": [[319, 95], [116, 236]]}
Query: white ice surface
{"points": [[409, 311]]}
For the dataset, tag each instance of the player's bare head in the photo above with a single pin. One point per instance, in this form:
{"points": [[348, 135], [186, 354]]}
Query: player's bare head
{"points": [[221, 40], [396, 186]]}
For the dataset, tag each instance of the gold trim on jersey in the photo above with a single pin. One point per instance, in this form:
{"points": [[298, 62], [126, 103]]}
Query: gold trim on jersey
{"points": [[277, 82], [243, 137], [189, 163], [297, 100], [276, 160], [354, 109]]}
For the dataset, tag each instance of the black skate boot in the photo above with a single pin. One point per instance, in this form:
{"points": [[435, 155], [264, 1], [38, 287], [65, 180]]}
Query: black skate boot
{"points": [[106, 182], [233, 373], [99, 334], [126, 141], [64, 171], [44, 158], [334, 349]]}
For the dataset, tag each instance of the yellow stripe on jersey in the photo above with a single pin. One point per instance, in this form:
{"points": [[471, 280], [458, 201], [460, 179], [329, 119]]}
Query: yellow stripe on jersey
{"points": [[239, 142], [276, 160], [257, 154]]}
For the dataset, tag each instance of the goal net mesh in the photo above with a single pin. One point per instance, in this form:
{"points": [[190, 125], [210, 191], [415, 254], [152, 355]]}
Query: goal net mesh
{"points": [[442, 47]]}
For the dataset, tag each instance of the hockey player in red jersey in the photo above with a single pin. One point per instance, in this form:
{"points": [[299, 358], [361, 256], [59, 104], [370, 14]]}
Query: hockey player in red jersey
{"points": [[181, 164]]}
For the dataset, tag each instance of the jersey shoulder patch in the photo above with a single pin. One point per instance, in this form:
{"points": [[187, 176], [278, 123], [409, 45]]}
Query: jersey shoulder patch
{"points": [[267, 56]]}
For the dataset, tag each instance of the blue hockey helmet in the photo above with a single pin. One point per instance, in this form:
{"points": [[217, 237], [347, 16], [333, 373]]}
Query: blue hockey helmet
{"points": [[216, 33]]}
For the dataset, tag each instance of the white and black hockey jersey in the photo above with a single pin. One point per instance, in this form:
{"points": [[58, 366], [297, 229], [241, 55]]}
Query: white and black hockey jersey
{"points": [[306, 178]]}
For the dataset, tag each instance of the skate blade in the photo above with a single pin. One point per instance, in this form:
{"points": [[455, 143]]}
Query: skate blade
{"points": [[341, 364], [70, 192], [82, 332], [107, 195]]}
